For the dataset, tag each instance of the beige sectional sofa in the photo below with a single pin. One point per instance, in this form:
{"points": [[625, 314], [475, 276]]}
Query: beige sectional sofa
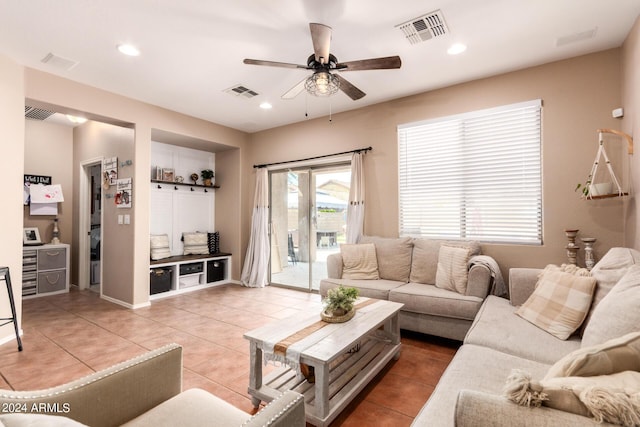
{"points": [[471, 390], [143, 391], [407, 274]]}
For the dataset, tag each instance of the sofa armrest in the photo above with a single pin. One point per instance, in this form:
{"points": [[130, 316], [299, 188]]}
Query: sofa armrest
{"points": [[522, 282], [474, 408], [334, 266], [111, 396], [287, 410], [479, 281]]}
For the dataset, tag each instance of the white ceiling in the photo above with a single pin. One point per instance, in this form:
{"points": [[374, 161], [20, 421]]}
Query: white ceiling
{"points": [[192, 50]]}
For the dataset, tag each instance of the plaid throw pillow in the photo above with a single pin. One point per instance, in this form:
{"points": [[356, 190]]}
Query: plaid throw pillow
{"points": [[559, 303]]}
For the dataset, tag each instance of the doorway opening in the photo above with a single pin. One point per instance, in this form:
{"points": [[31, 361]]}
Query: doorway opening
{"points": [[308, 222], [90, 259]]}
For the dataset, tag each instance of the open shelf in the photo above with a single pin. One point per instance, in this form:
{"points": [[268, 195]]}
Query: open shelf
{"points": [[606, 196], [184, 184]]}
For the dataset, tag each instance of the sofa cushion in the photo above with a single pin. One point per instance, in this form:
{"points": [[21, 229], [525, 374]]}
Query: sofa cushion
{"points": [[617, 314], [475, 368], [498, 327], [452, 273], [616, 355], [394, 256], [424, 262], [37, 420], [608, 271], [559, 303], [428, 299], [359, 261], [194, 407], [378, 289]]}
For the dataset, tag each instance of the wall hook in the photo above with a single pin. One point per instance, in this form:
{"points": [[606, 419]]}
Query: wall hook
{"points": [[175, 187], [205, 190], [159, 186], [191, 188]]}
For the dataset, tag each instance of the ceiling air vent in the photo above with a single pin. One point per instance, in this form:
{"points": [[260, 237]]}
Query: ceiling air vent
{"points": [[59, 62], [424, 28], [241, 91], [36, 113]]}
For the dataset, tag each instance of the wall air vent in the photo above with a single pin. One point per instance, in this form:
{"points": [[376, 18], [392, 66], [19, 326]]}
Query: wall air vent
{"points": [[59, 62], [36, 113], [424, 28], [242, 91]]}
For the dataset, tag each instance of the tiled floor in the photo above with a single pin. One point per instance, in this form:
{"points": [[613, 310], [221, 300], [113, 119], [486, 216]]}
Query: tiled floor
{"points": [[72, 335]]}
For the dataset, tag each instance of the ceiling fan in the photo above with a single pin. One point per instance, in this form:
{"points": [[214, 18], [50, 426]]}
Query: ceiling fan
{"points": [[323, 82]]}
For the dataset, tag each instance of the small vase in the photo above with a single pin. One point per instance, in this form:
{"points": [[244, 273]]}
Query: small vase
{"points": [[56, 233], [208, 182]]}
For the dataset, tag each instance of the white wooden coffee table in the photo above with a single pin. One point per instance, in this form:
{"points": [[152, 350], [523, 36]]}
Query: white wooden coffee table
{"points": [[345, 357]]}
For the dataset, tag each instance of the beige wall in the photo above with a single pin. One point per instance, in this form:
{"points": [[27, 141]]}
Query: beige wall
{"points": [[11, 176], [91, 141], [578, 96], [631, 125], [48, 150], [70, 97]]}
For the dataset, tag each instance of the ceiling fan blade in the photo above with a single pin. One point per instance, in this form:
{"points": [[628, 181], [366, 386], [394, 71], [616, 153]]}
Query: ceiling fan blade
{"points": [[295, 91], [385, 63], [274, 64], [321, 38], [349, 89]]}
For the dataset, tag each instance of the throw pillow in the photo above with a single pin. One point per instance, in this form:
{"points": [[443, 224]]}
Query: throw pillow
{"points": [[608, 271], [617, 314], [559, 303], [359, 261], [424, 261], [213, 241], [616, 355], [195, 243], [452, 273], [394, 256], [613, 398], [159, 246]]}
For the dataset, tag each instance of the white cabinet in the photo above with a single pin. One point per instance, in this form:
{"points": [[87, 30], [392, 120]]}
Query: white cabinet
{"points": [[45, 270]]}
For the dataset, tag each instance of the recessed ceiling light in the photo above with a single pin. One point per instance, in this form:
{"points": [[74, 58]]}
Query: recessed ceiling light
{"points": [[456, 49], [266, 106], [128, 49]]}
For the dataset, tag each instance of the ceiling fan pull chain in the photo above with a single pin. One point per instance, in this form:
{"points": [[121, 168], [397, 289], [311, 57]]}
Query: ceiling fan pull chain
{"points": [[330, 111]]}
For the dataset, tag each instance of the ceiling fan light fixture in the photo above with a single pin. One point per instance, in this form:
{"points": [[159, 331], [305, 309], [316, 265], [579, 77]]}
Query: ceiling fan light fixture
{"points": [[322, 83]]}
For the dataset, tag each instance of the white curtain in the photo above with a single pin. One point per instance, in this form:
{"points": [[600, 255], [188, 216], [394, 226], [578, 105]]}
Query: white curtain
{"points": [[355, 210], [255, 271]]}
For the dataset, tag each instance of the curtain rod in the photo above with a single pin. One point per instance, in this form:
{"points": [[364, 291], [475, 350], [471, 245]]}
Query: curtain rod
{"points": [[313, 158]]}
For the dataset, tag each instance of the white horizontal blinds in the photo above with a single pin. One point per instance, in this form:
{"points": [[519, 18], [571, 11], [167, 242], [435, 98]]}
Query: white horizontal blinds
{"points": [[473, 176]]}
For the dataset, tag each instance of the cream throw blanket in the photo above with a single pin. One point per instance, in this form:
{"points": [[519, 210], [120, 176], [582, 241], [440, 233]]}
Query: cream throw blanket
{"points": [[498, 286]]}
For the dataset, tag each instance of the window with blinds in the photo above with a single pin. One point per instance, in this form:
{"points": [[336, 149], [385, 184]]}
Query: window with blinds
{"points": [[473, 176]]}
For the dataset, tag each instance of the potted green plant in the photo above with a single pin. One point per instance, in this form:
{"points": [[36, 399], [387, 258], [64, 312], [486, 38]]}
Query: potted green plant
{"points": [[338, 304], [207, 175]]}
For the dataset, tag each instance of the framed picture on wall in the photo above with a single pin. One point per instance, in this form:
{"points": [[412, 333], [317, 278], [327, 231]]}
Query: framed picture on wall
{"points": [[31, 236], [168, 174]]}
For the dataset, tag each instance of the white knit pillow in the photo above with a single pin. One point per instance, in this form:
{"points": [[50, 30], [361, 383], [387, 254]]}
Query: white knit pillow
{"points": [[195, 243], [159, 246]]}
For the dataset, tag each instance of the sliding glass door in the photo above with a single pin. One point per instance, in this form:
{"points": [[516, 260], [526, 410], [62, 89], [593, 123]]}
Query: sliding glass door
{"points": [[308, 222]]}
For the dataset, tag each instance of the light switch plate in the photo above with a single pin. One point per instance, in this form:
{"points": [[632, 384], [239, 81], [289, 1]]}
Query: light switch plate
{"points": [[120, 220], [127, 219]]}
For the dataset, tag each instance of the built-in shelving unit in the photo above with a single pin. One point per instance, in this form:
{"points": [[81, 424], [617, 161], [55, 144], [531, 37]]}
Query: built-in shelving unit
{"points": [[190, 272]]}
